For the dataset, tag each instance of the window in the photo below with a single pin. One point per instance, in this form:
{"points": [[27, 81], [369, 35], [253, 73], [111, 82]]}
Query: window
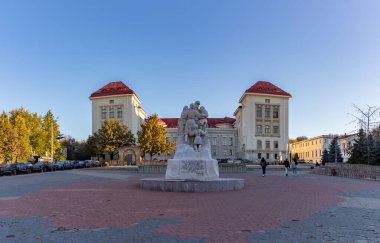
{"points": [[275, 156], [111, 102], [119, 113], [268, 156], [259, 112], [259, 144], [267, 112], [213, 152], [275, 112], [231, 152], [267, 129], [259, 155], [267, 101], [259, 129], [276, 130], [214, 141], [229, 142], [112, 113], [104, 113], [275, 144], [267, 144]]}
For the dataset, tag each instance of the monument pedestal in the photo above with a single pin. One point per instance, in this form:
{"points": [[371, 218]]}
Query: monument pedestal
{"points": [[190, 169]]}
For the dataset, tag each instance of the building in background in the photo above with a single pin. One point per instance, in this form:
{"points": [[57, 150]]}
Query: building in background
{"points": [[261, 127], [262, 121], [311, 150], [117, 101]]}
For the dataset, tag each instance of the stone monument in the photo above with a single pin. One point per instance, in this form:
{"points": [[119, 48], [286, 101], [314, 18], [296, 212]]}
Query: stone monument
{"points": [[192, 159], [192, 169]]}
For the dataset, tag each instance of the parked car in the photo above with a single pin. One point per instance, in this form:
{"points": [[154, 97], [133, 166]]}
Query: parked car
{"points": [[43, 167], [22, 167], [7, 170], [89, 163], [78, 164], [60, 165]]}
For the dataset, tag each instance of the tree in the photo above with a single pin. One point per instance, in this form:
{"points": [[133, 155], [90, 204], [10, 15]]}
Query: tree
{"points": [[367, 118], [301, 138], [325, 157], [50, 130], [21, 144], [296, 157], [359, 150], [6, 138], [94, 145], [113, 135], [152, 138], [335, 155]]}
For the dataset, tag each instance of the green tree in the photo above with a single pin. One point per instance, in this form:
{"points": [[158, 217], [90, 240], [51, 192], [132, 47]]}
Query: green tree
{"points": [[335, 155], [6, 138], [37, 137], [152, 138], [49, 126], [358, 154], [113, 135], [21, 144], [325, 157], [296, 157], [94, 145]]}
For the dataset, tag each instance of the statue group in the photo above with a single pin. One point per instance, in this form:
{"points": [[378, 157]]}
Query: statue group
{"points": [[192, 125]]}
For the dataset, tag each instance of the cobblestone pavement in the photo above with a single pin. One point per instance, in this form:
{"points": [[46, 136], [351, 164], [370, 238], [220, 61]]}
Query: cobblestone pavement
{"points": [[108, 206]]}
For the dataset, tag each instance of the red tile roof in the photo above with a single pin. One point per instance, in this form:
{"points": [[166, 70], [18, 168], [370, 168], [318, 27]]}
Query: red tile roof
{"points": [[113, 88], [264, 87], [212, 122]]}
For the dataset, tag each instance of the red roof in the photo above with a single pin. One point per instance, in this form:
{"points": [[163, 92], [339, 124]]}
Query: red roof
{"points": [[264, 87], [113, 88], [212, 122]]}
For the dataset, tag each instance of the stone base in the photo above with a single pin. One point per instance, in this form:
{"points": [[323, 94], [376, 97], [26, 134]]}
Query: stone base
{"points": [[167, 185], [192, 169]]}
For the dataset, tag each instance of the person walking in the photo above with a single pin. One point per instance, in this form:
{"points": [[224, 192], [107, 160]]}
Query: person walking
{"points": [[263, 164], [287, 166], [294, 167]]}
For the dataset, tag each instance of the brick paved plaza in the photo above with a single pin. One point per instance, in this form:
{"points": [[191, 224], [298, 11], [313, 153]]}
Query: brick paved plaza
{"points": [[102, 205]]}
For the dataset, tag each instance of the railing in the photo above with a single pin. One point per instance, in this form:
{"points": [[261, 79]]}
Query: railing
{"points": [[223, 168], [355, 171]]}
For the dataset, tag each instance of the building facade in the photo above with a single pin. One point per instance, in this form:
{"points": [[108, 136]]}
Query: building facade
{"points": [[260, 129], [262, 121], [311, 150], [117, 101]]}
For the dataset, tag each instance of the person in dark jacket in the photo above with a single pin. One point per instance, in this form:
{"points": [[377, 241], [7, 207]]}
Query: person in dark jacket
{"points": [[287, 166], [263, 164]]}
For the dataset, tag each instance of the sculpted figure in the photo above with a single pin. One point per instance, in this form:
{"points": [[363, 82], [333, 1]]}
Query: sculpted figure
{"points": [[198, 139], [182, 121], [203, 119], [192, 116]]}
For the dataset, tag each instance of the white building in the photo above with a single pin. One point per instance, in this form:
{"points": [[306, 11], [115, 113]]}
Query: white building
{"points": [[117, 101], [261, 127], [263, 123]]}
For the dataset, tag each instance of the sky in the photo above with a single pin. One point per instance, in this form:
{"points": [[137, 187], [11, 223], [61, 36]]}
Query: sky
{"points": [[54, 54]]}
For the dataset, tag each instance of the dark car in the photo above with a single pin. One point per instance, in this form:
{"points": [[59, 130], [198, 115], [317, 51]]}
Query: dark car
{"points": [[79, 164], [7, 170], [43, 167], [89, 163], [22, 167], [60, 165]]}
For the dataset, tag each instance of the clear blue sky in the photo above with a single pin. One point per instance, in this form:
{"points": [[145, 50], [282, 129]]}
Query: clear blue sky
{"points": [[54, 54]]}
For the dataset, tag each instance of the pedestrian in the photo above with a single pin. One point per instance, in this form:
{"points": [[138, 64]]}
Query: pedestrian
{"points": [[287, 166], [294, 167], [263, 164]]}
